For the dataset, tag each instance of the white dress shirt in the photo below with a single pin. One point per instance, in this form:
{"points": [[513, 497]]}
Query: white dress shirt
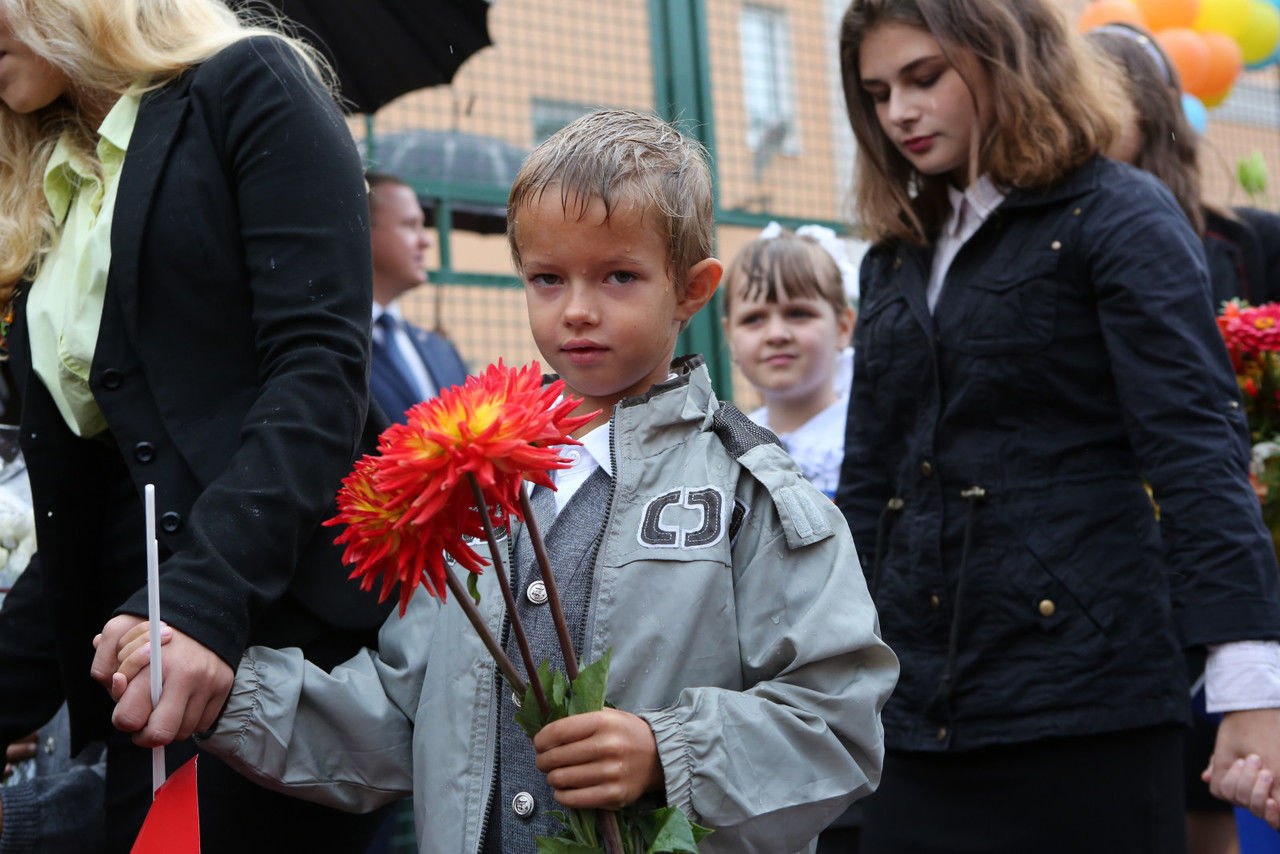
{"points": [[421, 377]]}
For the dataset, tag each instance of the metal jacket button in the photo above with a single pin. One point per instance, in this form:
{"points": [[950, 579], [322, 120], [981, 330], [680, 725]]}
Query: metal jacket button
{"points": [[1047, 608], [522, 804], [171, 521], [942, 733], [145, 452], [926, 468], [536, 593], [934, 601]]}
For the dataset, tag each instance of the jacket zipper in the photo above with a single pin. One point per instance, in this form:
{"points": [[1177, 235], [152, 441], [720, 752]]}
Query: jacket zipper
{"points": [[497, 714], [588, 621]]}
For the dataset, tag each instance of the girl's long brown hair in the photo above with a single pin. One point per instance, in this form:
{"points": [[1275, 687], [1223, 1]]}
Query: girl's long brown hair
{"points": [[1055, 105], [1168, 143]]}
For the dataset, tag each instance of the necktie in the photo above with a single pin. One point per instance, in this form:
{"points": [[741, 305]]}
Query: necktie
{"points": [[388, 325]]}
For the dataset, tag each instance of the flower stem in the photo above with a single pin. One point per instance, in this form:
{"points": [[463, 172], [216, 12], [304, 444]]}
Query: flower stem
{"points": [[522, 642], [548, 578], [612, 836], [500, 656]]}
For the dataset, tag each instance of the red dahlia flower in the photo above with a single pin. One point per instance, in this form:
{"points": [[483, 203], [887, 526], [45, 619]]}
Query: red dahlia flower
{"points": [[408, 506]]}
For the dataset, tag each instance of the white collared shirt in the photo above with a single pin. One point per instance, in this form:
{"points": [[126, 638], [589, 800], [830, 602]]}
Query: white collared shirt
{"points": [[592, 454], [426, 387], [969, 210]]}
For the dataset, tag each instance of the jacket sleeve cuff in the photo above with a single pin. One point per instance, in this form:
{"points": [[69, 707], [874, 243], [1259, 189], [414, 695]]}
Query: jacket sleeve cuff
{"points": [[1242, 675], [228, 732], [674, 754], [21, 817]]}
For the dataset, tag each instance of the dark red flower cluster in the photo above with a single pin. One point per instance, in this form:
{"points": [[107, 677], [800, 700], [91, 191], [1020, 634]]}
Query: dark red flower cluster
{"points": [[411, 503]]}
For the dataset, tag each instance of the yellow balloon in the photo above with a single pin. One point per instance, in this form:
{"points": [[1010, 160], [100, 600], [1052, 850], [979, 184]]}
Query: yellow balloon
{"points": [[1262, 32], [1223, 16]]}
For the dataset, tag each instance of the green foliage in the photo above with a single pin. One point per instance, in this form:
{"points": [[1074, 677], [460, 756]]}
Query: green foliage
{"points": [[644, 830]]}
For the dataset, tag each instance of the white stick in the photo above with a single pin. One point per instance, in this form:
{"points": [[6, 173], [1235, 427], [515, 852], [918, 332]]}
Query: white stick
{"points": [[153, 616]]}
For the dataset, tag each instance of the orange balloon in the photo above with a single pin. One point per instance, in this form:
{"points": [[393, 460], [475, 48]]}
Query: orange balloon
{"points": [[1225, 61], [1216, 99], [1102, 12], [1163, 14], [1189, 54]]}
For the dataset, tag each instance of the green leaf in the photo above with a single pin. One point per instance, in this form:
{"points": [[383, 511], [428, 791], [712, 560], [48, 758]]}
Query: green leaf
{"points": [[473, 586], [528, 717], [674, 833], [588, 689], [563, 846], [556, 686], [582, 826]]}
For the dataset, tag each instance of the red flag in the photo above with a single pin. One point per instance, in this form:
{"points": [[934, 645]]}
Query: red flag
{"points": [[173, 822]]}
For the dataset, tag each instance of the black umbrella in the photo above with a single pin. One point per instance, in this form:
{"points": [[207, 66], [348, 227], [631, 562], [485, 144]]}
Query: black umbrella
{"points": [[382, 49], [476, 170]]}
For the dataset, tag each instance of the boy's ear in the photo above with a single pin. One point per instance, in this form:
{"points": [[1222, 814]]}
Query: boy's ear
{"points": [[699, 287]]}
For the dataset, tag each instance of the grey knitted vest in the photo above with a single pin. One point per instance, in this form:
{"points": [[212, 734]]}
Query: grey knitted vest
{"points": [[522, 794]]}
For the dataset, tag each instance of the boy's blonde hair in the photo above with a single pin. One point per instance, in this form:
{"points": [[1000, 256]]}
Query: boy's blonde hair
{"points": [[101, 46], [624, 157], [789, 265], [1056, 105]]}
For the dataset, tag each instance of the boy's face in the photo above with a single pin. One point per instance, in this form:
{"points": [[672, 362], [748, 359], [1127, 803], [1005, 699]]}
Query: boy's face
{"points": [[603, 308]]}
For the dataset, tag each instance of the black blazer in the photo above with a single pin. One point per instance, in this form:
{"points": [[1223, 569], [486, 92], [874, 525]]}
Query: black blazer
{"points": [[231, 366]]}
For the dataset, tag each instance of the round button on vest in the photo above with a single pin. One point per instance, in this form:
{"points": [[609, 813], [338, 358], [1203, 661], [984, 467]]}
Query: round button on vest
{"points": [[1047, 608], [111, 379], [171, 521], [926, 468], [144, 452], [522, 804], [536, 592]]}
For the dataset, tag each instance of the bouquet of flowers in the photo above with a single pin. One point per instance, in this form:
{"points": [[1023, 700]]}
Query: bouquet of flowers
{"points": [[1252, 335], [454, 472]]}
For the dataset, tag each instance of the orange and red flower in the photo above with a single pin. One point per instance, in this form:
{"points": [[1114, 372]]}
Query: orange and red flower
{"points": [[410, 504]]}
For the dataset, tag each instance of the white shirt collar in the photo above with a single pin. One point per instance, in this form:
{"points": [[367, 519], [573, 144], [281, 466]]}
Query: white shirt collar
{"points": [[596, 443], [980, 198]]}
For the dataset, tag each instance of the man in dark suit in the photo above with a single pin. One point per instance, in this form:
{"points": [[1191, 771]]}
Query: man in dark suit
{"points": [[408, 364]]}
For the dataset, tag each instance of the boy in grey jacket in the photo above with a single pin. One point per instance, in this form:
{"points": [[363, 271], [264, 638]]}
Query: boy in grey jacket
{"points": [[747, 670]]}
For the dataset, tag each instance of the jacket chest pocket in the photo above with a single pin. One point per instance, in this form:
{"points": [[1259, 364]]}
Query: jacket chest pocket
{"points": [[1003, 312], [887, 333]]}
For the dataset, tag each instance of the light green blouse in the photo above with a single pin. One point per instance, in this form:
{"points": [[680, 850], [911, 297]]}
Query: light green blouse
{"points": [[64, 308]]}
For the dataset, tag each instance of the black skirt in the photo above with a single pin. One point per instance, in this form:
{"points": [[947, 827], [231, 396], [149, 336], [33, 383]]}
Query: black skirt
{"points": [[1117, 792]]}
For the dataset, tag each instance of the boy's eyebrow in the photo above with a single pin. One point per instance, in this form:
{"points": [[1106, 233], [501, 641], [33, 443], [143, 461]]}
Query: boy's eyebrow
{"points": [[909, 68]]}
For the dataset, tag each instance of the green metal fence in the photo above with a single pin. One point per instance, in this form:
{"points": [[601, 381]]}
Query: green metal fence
{"points": [[716, 68]]}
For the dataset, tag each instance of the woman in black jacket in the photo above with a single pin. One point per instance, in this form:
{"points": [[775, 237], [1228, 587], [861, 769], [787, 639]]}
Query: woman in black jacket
{"points": [[1158, 139], [184, 259], [1035, 340]]}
